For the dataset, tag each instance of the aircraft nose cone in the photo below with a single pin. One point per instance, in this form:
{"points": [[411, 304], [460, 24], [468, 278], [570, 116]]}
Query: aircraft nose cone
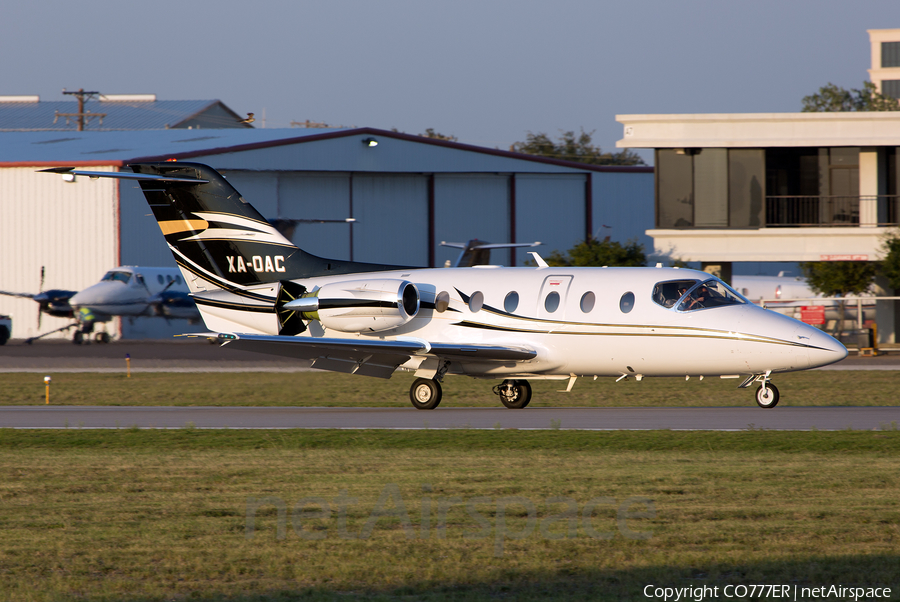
{"points": [[823, 348], [79, 299], [89, 295]]}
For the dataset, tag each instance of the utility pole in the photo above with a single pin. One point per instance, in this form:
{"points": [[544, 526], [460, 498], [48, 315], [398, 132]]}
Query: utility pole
{"points": [[81, 114]]}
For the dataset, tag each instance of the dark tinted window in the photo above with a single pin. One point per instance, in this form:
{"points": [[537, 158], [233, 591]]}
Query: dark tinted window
{"points": [[668, 293], [710, 293], [890, 55], [891, 87], [117, 276], [442, 301], [675, 189], [746, 177], [626, 303], [511, 302], [587, 302], [551, 303], [476, 301]]}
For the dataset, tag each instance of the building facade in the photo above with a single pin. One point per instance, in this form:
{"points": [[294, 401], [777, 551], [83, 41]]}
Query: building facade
{"points": [[775, 187], [885, 70]]}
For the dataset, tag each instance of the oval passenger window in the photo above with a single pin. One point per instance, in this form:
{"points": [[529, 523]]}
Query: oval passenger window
{"points": [[476, 301], [587, 302], [511, 302], [626, 303], [442, 301], [551, 303]]}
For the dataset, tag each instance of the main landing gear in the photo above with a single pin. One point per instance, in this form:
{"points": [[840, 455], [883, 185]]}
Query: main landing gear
{"points": [[425, 393], [514, 394]]}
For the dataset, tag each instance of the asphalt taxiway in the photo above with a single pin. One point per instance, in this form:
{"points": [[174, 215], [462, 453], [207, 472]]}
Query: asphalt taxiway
{"points": [[200, 356], [728, 419]]}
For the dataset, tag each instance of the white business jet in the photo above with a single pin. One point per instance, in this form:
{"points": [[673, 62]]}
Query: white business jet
{"points": [[127, 291], [259, 292]]}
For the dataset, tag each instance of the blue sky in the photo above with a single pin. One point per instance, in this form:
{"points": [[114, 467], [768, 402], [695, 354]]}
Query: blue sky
{"points": [[486, 71]]}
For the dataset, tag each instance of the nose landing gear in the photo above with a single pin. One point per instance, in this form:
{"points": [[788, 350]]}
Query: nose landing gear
{"points": [[767, 395]]}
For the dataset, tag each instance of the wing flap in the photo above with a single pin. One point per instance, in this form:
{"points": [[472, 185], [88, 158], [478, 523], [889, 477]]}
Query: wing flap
{"points": [[378, 358]]}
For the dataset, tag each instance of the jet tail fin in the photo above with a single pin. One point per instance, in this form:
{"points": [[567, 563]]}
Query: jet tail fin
{"points": [[218, 239]]}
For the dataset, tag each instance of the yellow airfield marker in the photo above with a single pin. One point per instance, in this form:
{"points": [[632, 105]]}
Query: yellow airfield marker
{"points": [[47, 389], [128, 364]]}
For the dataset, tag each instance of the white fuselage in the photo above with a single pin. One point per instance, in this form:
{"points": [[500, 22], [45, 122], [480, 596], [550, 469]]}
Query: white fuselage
{"points": [[578, 337], [128, 291]]}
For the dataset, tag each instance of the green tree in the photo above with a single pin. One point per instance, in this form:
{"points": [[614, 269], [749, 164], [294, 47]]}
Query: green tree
{"points": [[593, 252], [839, 278], [570, 147], [430, 133], [832, 98], [890, 265]]}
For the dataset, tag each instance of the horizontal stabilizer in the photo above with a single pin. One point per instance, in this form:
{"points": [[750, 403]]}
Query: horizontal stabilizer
{"points": [[125, 175]]}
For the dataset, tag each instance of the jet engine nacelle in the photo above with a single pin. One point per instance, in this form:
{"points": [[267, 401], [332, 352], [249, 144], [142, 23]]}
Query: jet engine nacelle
{"points": [[361, 305]]}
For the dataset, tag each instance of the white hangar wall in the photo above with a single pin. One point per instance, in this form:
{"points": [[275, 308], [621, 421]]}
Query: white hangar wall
{"points": [[70, 229]]}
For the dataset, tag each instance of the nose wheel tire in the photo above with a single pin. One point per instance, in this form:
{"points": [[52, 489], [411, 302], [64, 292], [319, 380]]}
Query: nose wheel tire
{"points": [[425, 394], [767, 395], [514, 394]]}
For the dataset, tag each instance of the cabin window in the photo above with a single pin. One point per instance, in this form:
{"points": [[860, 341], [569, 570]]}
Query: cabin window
{"points": [[587, 302], [668, 293], [442, 301], [551, 303], [710, 293], [476, 301], [626, 303], [160, 279], [117, 276], [511, 302]]}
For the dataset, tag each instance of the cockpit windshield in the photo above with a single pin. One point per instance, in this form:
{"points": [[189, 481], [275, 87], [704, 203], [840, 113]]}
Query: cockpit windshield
{"points": [[668, 293], [690, 295], [710, 293], [114, 276]]}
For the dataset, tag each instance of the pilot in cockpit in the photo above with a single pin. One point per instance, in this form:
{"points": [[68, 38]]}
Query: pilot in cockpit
{"points": [[698, 298]]}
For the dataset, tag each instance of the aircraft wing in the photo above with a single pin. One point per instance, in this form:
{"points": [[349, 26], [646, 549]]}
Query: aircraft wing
{"points": [[377, 358]]}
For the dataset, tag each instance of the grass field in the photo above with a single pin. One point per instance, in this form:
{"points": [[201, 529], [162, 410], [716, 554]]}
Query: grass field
{"points": [[820, 388], [133, 515]]}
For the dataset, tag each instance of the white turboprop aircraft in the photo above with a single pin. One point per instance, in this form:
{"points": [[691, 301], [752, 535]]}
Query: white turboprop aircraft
{"points": [[259, 292], [127, 291]]}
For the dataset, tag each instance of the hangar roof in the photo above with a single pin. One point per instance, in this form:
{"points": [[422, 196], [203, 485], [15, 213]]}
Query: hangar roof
{"points": [[122, 113], [275, 149]]}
